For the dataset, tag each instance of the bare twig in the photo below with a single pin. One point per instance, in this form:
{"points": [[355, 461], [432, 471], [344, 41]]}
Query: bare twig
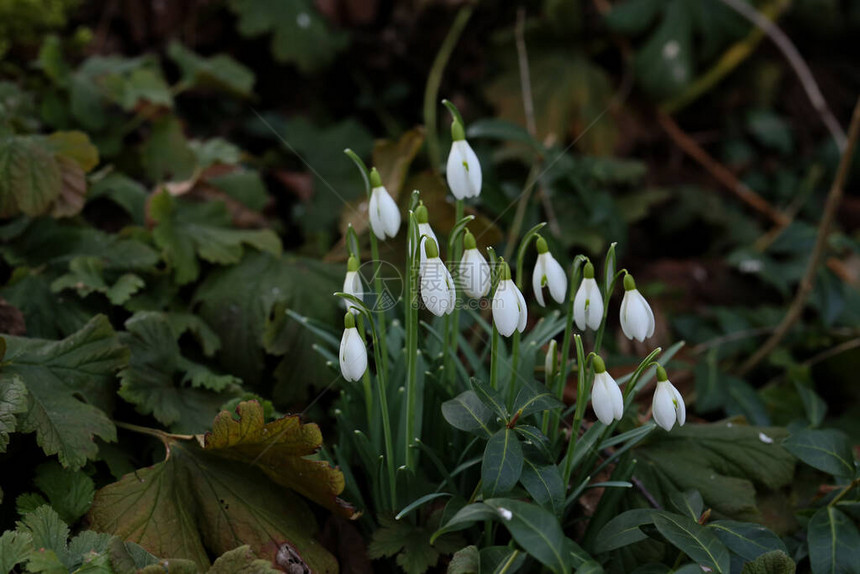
{"points": [[834, 198], [525, 73], [720, 172], [797, 63]]}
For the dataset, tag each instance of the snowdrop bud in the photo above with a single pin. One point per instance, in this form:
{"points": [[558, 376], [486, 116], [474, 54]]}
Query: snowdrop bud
{"points": [[422, 216], [551, 361], [383, 211], [606, 398], [353, 354], [548, 272], [509, 306], [588, 303], [352, 284], [437, 286], [463, 170], [637, 319], [667, 404], [474, 277]]}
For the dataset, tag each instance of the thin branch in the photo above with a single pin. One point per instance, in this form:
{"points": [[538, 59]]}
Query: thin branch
{"points": [[834, 198], [807, 80], [525, 74], [720, 172]]}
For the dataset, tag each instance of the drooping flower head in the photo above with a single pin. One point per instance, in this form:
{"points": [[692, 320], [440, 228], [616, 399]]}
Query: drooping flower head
{"points": [[353, 353], [383, 211], [667, 405], [352, 284], [637, 318], [606, 398], [588, 303], [474, 276], [509, 306], [422, 216], [548, 273], [437, 286], [463, 170]]}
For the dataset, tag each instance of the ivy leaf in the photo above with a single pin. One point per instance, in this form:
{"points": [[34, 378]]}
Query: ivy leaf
{"points": [[13, 401], [220, 71], [299, 33], [154, 383], [30, 178], [242, 560], [723, 461], [185, 231], [203, 500], [69, 492], [834, 543], [60, 376], [15, 547]]}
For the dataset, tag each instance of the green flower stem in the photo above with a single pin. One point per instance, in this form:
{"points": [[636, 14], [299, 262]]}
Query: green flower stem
{"points": [[377, 285], [494, 359], [598, 340], [452, 320], [411, 314], [386, 421], [515, 344], [581, 400], [434, 80], [561, 381], [365, 379]]}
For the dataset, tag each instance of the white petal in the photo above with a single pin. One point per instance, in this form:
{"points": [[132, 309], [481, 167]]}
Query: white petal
{"points": [[618, 400], [506, 308], [353, 355], [680, 408], [580, 304], [523, 310], [663, 406], [601, 401], [425, 229], [376, 224], [352, 286], [437, 287], [463, 171], [388, 211], [594, 308], [474, 277], [637, 320], [538, 276], [556, 279]]}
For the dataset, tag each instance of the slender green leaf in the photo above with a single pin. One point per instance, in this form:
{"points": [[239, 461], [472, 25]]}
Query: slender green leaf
{"points": [[624, 529], [746, 539], [491, 398], [535, 529], [467, 412], [827, 450], [834, 543], [544, 484], [465, 517], [688, 503], [694, 540]]}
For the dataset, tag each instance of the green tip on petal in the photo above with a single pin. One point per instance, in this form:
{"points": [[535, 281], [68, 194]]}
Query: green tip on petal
{"points": [[469, 241], [588, 270], [457, 131], [352, 263], [542, 247], [505, 271], [629, 283], [661, 374], [430, 248], [348, 321], [421, 214], [375, 179], [599, 365]]}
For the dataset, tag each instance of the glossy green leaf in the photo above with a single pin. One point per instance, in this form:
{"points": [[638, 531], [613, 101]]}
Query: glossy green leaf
{"points": [[694, 540], [624, 529], [502, 463], [688, 503], [465, 517], [467, 412], [495, 558], [746, 539], [57, 374], [491, 398], [834, 542], [827, 450], [544, 484], [534, 398], [534, 529]]}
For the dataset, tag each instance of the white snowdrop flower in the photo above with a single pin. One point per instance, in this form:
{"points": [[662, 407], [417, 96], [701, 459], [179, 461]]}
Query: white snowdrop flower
{"points": [[588, 302], [474, 277], [505, 513], [509, 306], [606, 398], [383, 211], [667, 404], [550, 363], [352, 284], [437, 286], [463, 170], [422, 216], [548, 272], [637, 318], [353, 353]]}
